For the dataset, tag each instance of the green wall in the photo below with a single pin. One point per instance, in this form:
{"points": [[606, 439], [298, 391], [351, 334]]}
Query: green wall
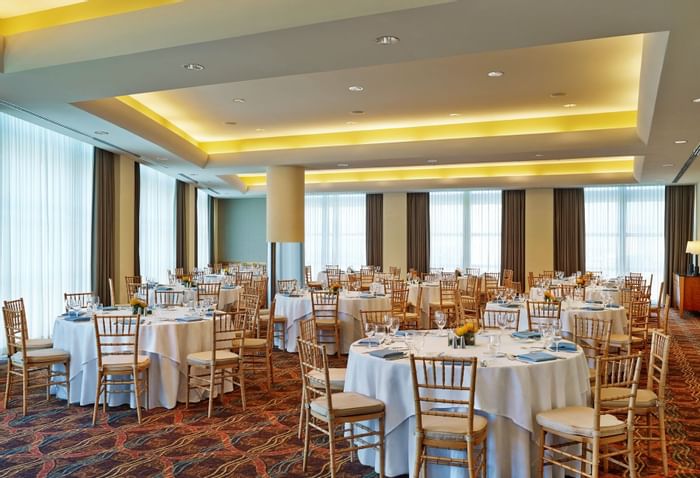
{"points": [[242, 230]]}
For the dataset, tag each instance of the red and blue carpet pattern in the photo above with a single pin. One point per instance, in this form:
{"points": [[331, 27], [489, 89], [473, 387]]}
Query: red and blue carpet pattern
{"points": [[55, 441]]}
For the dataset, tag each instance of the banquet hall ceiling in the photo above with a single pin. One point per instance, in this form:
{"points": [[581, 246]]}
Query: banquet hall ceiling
{"points": [[591, 92]]}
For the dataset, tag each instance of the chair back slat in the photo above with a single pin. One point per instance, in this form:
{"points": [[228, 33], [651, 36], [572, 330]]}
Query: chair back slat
{"points": [[658, 363], [168, 297], [15, 330], [620, 373], [542, 312], [592, 334], [117, 335]]}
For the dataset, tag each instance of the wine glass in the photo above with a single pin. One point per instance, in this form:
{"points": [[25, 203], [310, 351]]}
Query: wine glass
{"points": [[502, 321], [380, 333], [419, 342], [440, 320], [556, 335], [395, 324], [409, 338], [511, 320]]}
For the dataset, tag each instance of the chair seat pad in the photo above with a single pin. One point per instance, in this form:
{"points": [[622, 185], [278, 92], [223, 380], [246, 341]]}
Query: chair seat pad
{"points": [[39, 344], [347, 404], [336, 376], [645, 398], [280, 319], [255, 343], [437, 305], [325, 322], [411, 315], [41, 356], [579, 421], [451, 428], [124, 362], [205, 358], [623, 339]]}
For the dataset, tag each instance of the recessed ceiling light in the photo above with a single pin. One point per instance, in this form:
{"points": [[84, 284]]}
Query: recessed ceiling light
{"points": [[357, 112], [455, 114], [193, 66], [351, 122], [239, 100], [696, 100], [495, 74], [259, 129], [570, 105], [681, 141], [667, 165], [100, 132], [231, 123], [538, 155], [343, 165], [432, 161], [387, 40], [557, 94], [356, 88]]}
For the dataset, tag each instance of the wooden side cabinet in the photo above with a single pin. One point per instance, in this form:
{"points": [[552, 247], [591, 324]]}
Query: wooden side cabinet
{"points": [[687, 292]]}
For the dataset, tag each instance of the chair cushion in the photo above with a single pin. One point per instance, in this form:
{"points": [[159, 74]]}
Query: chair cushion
{"points": [[280, 319], [39, 344], [579, 421], [336, 375], [325, 322], [347, 404], [124, 362], [254, 343], [623, 339], [645, 398], [205, 358], [41, 356], [437, 305], [451, 428]]}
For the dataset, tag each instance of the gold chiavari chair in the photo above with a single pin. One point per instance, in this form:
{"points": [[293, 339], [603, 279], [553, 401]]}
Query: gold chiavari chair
{"points": [[436, 270], [223, 362], [117, 339], [325, 313], [286, 285], [531, 280], [29, 364], [432, 277], [209, 290], [412, 317], [491, 280], [448, 297], [472, 286], [132, 286], [594, 275], [337, 415], [17, 305], [395, 272], [439, 428], [244, 278], [399, 304], [493, 293], [352, 281], [637, 330], [634, 281], [656, 308], [334, 268], [448, 276], [662, 325], [602, 435], [490, 318], [542, 313], [507, 277], [472, 271], [366, 277], [651, 400], [257, 351], [548, 274], [308, 278], [592, 334], [168, 297], [80, 298], [468, 309], [573, 291], [627, 296], [373, 317]]}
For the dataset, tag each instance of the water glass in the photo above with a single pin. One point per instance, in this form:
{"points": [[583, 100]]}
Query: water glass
{"points": [[380, 333], [440, 320], [494, 344]]}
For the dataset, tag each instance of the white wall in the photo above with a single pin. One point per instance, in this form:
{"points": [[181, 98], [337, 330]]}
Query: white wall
{"points": [[394, 231], [124, 225], [539, 230]]}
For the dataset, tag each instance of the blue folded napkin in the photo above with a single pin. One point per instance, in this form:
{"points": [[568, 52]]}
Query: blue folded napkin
{"points": [[368, 342], [526, 334], [366, 296], [563, 347], [109, 308], [77, 318], [188, 319], [536, 357], [228, 287], [162, 287], [400, 333], [610, 290], [387, 354], [594, 302], [511, 305], [590, 307], [613, 306]]}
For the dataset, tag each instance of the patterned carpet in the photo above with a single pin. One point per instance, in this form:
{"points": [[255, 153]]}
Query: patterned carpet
{"points": [[53, 441]]}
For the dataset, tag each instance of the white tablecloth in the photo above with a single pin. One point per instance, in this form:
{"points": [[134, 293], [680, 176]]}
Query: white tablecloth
{"points": [[349, 306], [228, 296], [509, 393], [616, 315], [593, 293], [166, 342], [431, 293]]}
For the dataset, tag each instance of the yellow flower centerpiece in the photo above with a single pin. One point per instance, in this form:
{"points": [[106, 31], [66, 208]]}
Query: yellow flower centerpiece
{"points": [[550, 297], [186, 280], [137, 305], [334, 288], [464, 335]]}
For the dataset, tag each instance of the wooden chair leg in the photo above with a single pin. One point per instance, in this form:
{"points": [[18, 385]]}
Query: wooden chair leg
{"points": [[241, 380], [419, 456], [97, 398], [212, 375], [67, 365], [48, 383], [306, 439], [136, 395], [270, 377], [25, 390], [8, 385], [337, 340], [301, 412], [543, 437], [187, 397], [381, 447], [662, 437], [331, 445]]}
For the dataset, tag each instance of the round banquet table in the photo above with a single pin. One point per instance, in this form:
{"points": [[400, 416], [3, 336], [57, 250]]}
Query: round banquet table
{"points": [[509, 393], [228, 295], [615, 314], [431, 293], [593, 293], [350, 304], [165, 340]]}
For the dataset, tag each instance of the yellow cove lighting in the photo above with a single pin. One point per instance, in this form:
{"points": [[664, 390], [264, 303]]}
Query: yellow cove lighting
{"points": [[55, 13], [613, 165]]}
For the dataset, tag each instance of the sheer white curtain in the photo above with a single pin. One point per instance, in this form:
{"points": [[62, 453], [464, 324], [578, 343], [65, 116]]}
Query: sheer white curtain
{"points": [[202, 229], [465, 229], [45, 219], [625, 230], [335, 230], [156, 224]]}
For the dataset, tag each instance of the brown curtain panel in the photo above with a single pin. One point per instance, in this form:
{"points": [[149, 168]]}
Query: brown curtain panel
{"points": [[180, 224], [375, 223], [196, 254], [513, 234], [212, 254], [678, 230], [103, 223], [137, 208], [418, 225], [569, 230]]}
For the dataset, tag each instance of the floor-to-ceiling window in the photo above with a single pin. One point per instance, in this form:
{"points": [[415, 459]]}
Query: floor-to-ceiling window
{"points": [[465, 230], [156, 224], [45, 219], [334, 230], [625, 230], [203, 229]]}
